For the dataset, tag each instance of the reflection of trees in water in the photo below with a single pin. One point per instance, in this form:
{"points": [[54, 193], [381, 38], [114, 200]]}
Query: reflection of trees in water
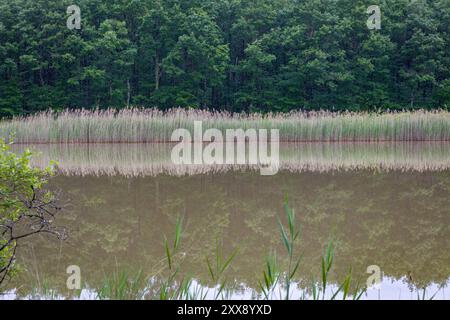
{"points": [[399, 221]]}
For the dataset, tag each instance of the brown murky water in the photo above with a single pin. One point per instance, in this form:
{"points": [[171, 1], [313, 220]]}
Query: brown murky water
{"points": [[382, 205]]}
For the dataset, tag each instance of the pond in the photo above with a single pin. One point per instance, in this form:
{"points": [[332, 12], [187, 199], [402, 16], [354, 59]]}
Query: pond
{"points": [[382, 204]]}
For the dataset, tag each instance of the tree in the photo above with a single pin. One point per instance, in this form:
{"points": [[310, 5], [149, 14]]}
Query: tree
{"points": [[198, 61], [26, 208], [238, 55]]}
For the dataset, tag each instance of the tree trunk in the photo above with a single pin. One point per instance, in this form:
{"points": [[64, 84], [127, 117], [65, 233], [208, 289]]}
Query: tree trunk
{"points": [[157, 71], [128, 93]]}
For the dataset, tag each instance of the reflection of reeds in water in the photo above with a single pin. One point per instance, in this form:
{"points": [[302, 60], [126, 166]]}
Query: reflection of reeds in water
{"points": [[154, 159], [151, 125]]}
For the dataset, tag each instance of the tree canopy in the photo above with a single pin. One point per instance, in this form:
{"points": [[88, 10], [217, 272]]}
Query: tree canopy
{"points": [[235, 55]]}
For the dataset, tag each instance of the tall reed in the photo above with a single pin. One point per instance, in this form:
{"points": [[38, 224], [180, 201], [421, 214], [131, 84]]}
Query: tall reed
{"points": [[152, 125]]}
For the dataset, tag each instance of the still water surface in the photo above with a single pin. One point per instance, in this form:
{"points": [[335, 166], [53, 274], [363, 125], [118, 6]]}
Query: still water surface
{"points": [[382, 204]]}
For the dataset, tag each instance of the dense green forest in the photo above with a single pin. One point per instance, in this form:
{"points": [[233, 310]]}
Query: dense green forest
{"points": [[237, 55]]}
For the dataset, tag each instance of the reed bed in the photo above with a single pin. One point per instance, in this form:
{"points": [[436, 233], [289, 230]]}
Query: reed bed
{"points": [[151, 125], [154, 159]]}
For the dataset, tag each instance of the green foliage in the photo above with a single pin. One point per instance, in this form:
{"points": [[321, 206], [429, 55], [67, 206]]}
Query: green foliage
{"points": [[289, 238], [25, 209], [347, 288], [123, 286], [174, 258], [271, 276], [235, 55], [272, 273], [217, 268]]}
